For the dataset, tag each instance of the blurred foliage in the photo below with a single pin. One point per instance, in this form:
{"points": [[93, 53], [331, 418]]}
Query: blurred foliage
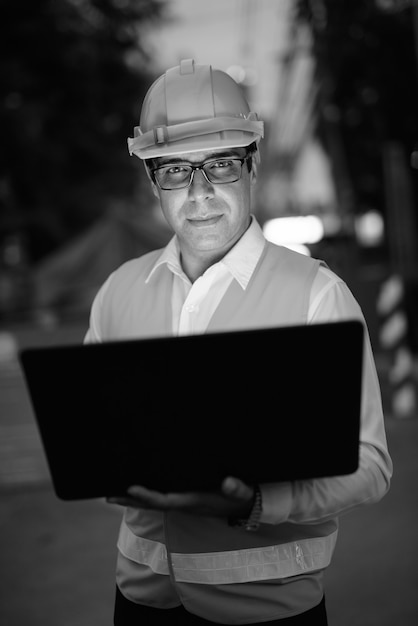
{"points": [[74, 73], [366, 53]]}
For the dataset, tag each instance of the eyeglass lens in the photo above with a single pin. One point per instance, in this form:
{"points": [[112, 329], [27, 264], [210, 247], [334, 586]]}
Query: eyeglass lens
{"points": [[220, 171]]}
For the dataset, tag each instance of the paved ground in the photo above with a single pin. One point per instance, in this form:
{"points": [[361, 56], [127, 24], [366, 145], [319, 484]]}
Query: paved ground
{"points": [[57, 558]]}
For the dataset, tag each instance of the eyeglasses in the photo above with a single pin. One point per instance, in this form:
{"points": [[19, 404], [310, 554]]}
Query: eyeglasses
{"points": [[180, 175]]}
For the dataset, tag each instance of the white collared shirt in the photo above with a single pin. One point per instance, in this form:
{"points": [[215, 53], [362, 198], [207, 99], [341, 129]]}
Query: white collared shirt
{"points": [[193, 304]]}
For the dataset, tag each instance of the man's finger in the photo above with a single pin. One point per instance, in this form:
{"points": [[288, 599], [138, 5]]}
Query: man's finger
{"points": [[163, 500], [235, 488], [121, 500]]}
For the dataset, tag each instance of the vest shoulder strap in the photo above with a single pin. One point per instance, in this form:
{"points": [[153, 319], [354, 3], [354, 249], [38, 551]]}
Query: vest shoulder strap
{"points": [[277, 294]]}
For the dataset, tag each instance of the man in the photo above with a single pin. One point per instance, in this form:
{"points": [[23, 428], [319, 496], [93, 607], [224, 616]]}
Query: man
{"points": [[247, 554]]}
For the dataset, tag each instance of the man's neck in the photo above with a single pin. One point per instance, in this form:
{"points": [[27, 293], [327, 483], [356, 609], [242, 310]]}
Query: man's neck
{"points": [[195, 263], [194, 267]]}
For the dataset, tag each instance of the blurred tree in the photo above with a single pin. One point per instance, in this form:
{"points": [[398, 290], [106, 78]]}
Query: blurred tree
{"points": [[367, 70], [73, 74]]}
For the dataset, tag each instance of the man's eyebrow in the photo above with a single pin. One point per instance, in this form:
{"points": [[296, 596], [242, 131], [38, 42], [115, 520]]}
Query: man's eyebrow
{"points": [[211, 155]]}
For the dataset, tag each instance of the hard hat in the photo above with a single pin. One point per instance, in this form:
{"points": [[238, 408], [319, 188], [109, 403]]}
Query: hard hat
{"points": [[190, 108]]}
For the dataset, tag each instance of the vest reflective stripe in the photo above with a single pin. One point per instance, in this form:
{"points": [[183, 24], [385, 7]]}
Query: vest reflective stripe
{"points": [[144, 551], [243, 566], [235, 566]]}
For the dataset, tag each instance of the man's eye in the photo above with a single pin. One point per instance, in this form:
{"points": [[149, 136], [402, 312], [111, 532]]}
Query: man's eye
{"points": [[175, 169], [221, 164]]}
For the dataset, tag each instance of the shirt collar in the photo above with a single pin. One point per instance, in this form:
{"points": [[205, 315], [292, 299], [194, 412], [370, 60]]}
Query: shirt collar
{"points": [[240, 261], [170, 256]]}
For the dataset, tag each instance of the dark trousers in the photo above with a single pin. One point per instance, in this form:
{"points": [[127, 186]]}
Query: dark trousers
{"points": [[131, 614]]}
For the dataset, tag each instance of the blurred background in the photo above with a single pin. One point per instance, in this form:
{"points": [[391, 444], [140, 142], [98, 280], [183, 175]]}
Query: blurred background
{"points": [[336, 83]]}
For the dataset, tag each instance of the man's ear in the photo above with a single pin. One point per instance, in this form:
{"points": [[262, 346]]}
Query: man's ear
{"points": [[153, 185]]}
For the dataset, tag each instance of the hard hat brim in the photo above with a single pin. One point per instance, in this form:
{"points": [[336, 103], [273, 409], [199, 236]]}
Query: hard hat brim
{"points": [[195, 136]]}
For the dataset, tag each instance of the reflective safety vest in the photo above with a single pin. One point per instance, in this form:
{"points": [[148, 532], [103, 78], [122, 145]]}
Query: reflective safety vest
{"points": [[221, 573]]}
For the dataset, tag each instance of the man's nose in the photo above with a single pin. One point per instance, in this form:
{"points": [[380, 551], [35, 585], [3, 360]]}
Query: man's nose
{"points": [[200, 188]]}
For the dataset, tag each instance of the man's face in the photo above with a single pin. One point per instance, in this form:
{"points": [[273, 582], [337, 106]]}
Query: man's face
{"points": [[208, 218]]}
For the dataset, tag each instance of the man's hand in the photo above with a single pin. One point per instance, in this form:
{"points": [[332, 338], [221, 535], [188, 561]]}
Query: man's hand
{"points": [[235, 499]]}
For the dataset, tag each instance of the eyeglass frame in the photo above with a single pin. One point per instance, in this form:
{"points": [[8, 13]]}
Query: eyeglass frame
{"points": [[200, 166]]}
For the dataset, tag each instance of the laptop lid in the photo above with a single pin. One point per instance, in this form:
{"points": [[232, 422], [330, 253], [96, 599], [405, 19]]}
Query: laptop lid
{"points": [[182, 413]]}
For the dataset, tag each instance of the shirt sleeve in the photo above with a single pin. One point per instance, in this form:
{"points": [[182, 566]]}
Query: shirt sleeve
{"points": [[316, 500], [94, 334]]}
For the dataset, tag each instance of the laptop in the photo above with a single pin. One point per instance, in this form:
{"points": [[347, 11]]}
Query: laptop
{"points": [[182, 413]]}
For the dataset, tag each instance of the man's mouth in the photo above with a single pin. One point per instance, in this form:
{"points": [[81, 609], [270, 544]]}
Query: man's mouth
{"points": [[205, 220]]}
